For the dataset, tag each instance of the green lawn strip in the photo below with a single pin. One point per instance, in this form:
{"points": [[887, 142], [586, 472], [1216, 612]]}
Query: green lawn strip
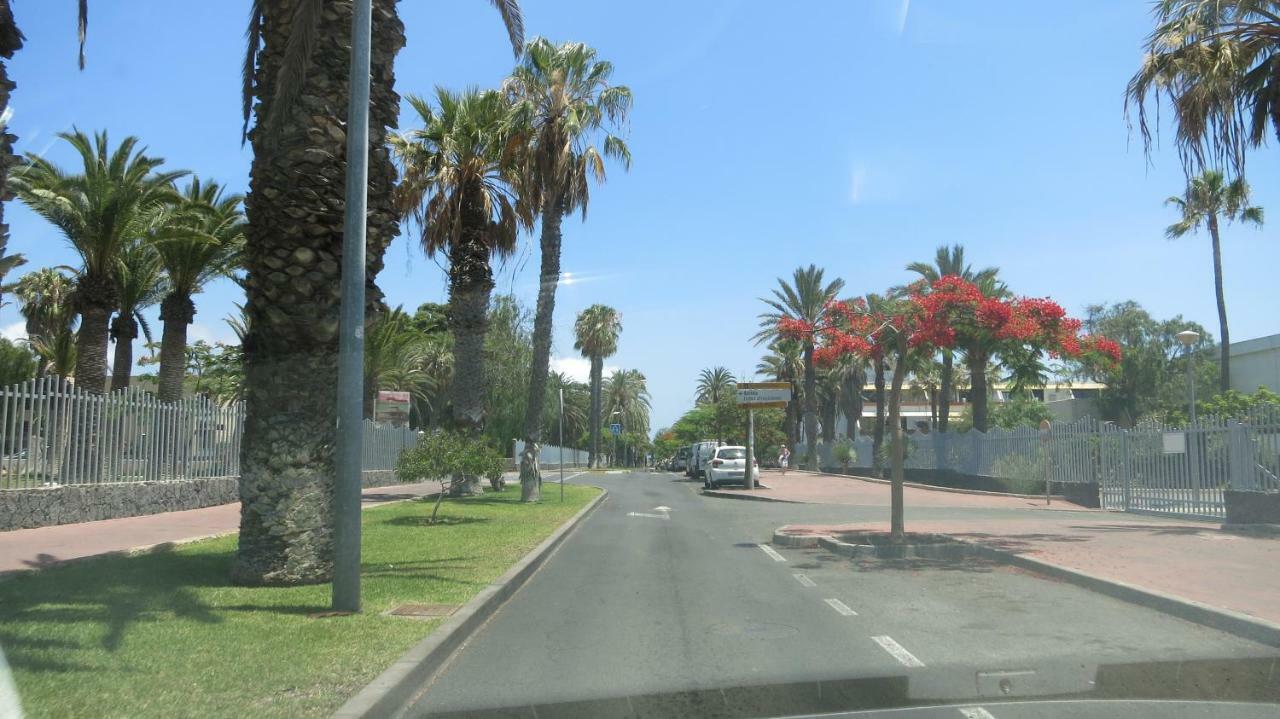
{"points": [[165, 635]]}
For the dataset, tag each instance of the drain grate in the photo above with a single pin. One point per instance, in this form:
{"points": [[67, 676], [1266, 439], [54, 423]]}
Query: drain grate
{"points": [[423, 611]]}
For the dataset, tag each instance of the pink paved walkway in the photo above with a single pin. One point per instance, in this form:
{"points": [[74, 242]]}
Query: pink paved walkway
{"points": [[1188, 559], [36, 548], [835, 489]]}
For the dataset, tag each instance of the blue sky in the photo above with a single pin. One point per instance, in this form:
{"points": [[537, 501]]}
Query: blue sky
{"points": [[854, 135]]}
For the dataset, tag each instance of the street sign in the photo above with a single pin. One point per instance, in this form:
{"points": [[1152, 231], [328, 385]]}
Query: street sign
{"points": [[616, 429], [756, 395], [392, 407]]}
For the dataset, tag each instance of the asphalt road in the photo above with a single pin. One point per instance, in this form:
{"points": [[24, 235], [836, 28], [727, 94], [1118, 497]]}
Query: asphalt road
{"points": [[667, 603]]}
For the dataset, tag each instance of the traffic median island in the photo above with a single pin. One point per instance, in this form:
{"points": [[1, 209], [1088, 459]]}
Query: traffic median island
{"points": [[165, 633]]}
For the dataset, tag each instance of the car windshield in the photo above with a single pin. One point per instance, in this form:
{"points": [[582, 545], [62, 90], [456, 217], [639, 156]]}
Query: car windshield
{"points": [[366, 358]]}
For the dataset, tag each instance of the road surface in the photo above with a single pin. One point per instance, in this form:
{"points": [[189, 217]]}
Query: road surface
{"points": [[667, 603]]}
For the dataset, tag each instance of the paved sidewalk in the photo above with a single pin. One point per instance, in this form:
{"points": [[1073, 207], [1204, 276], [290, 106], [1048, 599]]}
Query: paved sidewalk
{"points": [[1184, 558], [45, 546], [835, 489]]}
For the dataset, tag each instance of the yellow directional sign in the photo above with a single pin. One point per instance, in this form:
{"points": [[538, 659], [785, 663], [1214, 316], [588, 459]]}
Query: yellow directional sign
{"points": [[757, 395]]}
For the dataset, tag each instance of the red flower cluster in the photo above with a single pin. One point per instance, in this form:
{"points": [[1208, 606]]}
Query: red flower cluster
{"points": [[1101, 345], [794, 329]]}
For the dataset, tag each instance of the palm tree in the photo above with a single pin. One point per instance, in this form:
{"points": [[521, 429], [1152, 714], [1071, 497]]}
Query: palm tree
{"points": [[394, 358], [949, 261], [141, 283], [806, 300], [577, 409], [1208, 197], [1217, 64], [202, 240], [627, 395], [715, 384], [296, 85], [596, 337], [113, 204], [829, 382], [852, 374], [562, 101], [44, 297], [458, 177], [785, 363]]}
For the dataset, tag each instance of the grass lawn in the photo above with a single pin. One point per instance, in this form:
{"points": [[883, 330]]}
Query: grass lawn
{"points": [[165, 635]]}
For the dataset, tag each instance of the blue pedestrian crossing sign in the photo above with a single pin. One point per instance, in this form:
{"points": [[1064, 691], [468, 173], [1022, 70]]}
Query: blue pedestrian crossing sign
{"points": [[616, 428]]}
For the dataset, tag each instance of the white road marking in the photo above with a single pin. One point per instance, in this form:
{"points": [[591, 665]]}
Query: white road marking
{"points": [[841, 607], [646, 514], [772, 553], [804, 580], [976, 713], [662, 509], [897, 651]]}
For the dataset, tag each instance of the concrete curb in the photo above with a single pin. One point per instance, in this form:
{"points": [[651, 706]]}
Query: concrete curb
{"points": [[393, 691], [1225, 620], [751, 497]]}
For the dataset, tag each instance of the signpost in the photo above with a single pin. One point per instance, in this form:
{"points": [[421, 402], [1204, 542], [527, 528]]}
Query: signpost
{"points": [[1045, 426], [392, 407], [616, 429], [753, 396]]}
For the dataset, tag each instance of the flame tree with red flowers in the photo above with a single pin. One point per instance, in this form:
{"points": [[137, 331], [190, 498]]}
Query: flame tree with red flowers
{"points": [[925, 317]]}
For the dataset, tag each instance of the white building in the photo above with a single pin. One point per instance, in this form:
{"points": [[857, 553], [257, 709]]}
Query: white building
{"points": [[1256, 363]]}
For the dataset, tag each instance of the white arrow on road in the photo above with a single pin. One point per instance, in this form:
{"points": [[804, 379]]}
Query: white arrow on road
{"points": [[662, 510]]}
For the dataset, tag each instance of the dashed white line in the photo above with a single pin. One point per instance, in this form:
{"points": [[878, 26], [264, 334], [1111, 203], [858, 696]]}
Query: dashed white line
{"points": [[897, 651], [804, 580], [976, 713], [841, 607], [772, 553]]}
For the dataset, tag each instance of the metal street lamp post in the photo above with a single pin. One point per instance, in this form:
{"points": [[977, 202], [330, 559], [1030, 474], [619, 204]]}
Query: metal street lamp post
{"points": [[1189, 338], [350, 444]]}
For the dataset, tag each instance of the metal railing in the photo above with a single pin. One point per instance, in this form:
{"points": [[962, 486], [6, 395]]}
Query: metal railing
{"points": [[1151, 467], [550, 455], [53, 434]]}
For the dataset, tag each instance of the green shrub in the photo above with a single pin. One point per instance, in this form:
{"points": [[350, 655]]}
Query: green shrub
{"points": [[843, 453], [448, 458], [1019, 474]]}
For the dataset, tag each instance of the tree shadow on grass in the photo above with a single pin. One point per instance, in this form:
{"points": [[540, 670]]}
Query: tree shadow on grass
{"points": [[417, 520]]}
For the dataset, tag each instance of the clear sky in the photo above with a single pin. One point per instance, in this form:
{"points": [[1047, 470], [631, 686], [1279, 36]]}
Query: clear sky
{"points": [[855, 135]]}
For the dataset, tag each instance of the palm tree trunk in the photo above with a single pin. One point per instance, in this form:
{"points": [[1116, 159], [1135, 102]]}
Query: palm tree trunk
{"points": [[597, 380], [176, 312], [1224, 364], [896, 527], [549, 278], [124, 330], [877, 435], [944, 402], [293, 257], [851, 402], [978, 388], [95, 300], [470, 282], [793, 421], [810, 409]]}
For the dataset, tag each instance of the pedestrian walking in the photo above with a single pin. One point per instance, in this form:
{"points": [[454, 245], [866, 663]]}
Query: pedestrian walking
{"points": [[784, 458]]}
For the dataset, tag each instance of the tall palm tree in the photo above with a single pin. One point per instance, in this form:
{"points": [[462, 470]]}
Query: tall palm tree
{"points": [[577, 409], [596, 336], [852, 373], [295, 84], [113, 203], [200, 241], [562, 103], [140, 283], [459, 173], [1217, 64], [627, 395], [785, 363], [44, 298], [715, 384], [949, 261], [805, 299], [828, 402], [1209, 197]]}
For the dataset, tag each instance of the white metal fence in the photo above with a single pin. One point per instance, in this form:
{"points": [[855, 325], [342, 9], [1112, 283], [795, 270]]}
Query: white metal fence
{"points": [[1183, 471], [551, 454], [53, 434]]}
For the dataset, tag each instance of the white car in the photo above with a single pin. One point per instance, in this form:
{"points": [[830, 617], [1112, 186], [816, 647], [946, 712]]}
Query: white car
{"points": [[727, 465]]}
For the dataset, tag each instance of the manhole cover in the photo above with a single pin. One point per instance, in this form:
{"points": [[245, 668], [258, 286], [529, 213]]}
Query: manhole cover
{"points": [[423, 610]]}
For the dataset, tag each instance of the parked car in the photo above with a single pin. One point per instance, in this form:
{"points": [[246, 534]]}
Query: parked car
{"points": [[727, 465]]}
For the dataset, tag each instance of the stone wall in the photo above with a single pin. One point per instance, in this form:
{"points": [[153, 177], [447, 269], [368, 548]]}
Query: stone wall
{"points": [[1252, 508], [47, 506], [1084, 494]]}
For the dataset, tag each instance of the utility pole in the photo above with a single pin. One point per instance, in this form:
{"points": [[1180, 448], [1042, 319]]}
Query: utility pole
{"points": [[562, 444], [350, 444]]}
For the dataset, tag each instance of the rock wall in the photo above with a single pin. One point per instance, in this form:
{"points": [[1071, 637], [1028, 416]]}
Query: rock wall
{"points": [[48, 506]]}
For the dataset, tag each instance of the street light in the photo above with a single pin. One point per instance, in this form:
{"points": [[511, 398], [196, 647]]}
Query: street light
{"points": [[617, 438], [1188, 338]]}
